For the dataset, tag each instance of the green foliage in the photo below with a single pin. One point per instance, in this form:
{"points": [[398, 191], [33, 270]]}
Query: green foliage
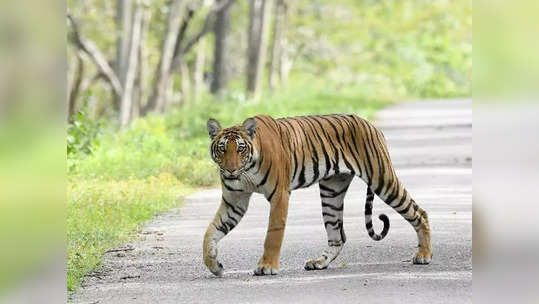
{"points": [[82, 135], [407, 48]]}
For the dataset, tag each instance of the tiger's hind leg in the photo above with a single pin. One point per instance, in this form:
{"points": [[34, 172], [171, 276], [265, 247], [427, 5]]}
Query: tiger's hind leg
{"points": [[393, 193], [332, 192]]}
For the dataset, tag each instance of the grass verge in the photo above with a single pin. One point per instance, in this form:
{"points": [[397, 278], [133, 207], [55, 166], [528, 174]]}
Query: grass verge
{"points": [[105, 213]]}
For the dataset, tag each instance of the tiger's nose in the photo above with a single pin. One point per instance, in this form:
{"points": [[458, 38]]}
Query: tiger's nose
{"points": [[232, 171]]}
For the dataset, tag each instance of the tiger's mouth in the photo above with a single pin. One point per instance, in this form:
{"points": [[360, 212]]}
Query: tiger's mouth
{"points": [[234, 174]]}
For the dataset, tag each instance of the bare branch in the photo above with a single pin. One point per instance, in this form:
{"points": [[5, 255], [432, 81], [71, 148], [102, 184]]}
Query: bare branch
{"points": [[75, 88], [208, 22], [185, 24], [96, 56]]}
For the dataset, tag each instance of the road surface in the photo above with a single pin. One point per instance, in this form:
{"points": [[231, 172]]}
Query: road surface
{"points": [[430, 143]]}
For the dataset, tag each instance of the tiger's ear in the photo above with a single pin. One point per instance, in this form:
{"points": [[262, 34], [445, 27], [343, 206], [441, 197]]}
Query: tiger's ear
{"points": [[250, 126], [213, 127]]}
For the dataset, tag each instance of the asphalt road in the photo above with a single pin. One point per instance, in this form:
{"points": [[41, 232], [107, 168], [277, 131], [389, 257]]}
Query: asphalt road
{"points": [[431, 145]]}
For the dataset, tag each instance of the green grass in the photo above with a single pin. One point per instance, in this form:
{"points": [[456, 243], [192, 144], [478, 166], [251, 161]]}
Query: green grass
{"points": [[102, 214]]}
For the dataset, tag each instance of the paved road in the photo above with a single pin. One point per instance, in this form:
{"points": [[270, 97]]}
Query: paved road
{"points": [[431, 145]]}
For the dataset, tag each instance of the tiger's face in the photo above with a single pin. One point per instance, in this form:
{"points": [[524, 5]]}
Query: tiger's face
{"points": [[233, 149]]}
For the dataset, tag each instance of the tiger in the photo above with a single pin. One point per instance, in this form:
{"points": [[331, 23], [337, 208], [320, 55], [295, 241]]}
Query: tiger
{"points": [[275, 156]]}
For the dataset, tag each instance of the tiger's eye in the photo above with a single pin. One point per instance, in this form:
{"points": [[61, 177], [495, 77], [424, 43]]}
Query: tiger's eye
{"points": [[221, 148], [241, 148]]}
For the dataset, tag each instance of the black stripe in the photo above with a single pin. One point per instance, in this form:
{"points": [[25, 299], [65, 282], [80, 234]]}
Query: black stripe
{"points": [[384, 157], [405, 210], [367, 156], [232, 218], [253, 164], [376, 154], [325, 188], [263, 181], [301, 178], [272, 193], [237, 209], [352, 126], [221, 228], [368, 225], [348, 165], [412, 220], [321, 142], [346, 143], [295, 166], [337, 135], [293, 152], [328, 214], [368, 210], [393, 195], [324, 205], [314, 152], [332, 223], [334, 194], [336, 163], [403, 199]]}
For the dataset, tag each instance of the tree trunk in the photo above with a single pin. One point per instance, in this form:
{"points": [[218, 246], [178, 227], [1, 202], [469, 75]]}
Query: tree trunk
{"points": [[198, 73], [141, 68], [186, 83], [221, 29], [124, 23], [278, 43], [75, 87], [256, 49], [126, 108], [162, 76]]}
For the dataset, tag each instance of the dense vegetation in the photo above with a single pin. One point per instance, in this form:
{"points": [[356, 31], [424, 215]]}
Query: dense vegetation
{"points": [[362, 56]]}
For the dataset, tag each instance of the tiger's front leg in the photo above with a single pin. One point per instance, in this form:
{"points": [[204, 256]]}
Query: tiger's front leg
{"points": [[269, 262], [231, 211]]}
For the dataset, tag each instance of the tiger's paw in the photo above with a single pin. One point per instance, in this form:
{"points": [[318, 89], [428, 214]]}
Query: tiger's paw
{"points": [[265, 270], [217, 269], [327, 257], [422, 258], [317, 264]]}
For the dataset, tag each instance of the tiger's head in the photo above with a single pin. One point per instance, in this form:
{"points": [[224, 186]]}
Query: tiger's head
{"points": [[233, 149]]}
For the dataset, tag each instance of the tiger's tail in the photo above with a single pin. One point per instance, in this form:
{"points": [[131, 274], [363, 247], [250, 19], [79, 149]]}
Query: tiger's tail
{"points": [[368, 221]]}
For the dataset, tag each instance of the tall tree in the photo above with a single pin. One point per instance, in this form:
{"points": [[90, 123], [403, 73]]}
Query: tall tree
{"points": [[124, 23], [126, 106], [256, 45], [221, 30], [157, 99], [139, 89], [277, 64], [198, 70]]}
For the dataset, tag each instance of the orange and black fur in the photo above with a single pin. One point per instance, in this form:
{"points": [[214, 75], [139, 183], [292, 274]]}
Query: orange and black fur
{"points": [[275, 156]]}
